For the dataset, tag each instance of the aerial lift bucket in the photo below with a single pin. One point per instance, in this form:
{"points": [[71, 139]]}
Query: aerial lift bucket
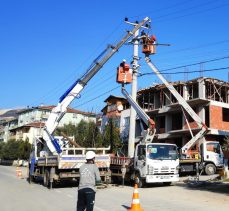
{"points": [[124, 73]]}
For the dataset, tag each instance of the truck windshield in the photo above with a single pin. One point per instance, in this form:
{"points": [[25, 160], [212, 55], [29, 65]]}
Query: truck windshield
{"points": [[214, 147], [159, 152]]}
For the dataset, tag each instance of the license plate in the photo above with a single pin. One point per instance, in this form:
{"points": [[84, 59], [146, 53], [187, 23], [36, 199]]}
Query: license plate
{"points": [[165, 177]]}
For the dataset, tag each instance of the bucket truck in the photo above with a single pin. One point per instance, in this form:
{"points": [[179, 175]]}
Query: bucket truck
{"points": [[208, 155], [52, 159], [152, 162]]}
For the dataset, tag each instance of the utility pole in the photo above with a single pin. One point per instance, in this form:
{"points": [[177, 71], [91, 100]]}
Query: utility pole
{"points": [[134, 96], [135, 67], [131, 141]]}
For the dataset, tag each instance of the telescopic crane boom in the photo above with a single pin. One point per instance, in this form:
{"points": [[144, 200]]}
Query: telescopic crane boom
{"points": [[73, 92], [149, 48], [124, 76]]}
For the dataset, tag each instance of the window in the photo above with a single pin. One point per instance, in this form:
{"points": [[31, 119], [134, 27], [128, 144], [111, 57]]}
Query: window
{"points": [[225, 114], [213, 147], [111, 107], [158, 152], [126, 121], [141, 152], [176, 121]]}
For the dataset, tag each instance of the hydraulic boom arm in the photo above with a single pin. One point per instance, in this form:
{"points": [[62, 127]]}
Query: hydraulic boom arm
{"points": [[73, 92], [149, 134], [185, 105], [146, 119]]}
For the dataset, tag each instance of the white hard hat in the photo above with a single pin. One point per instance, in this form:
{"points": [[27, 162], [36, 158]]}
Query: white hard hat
{"points": [[90, 155]]}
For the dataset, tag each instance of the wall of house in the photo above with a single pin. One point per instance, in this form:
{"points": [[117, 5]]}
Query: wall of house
{"points": [[114, 108], [75, 118], [28, 117], [125, 124], [218, 118]]}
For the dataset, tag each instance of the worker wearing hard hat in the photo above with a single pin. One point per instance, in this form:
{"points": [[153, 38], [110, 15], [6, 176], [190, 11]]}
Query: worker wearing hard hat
{"points": [[89, 176]]}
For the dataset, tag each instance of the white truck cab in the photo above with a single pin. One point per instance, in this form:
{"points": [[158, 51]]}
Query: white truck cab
{"points": [[156, 163], [212, 156]]}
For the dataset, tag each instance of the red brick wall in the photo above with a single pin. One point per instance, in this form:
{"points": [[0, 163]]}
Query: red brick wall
{"points": [[216, 118], [191, 125]]}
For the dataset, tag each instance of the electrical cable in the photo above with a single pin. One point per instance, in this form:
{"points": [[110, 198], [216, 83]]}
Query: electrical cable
{"points": [[193, 64], [175, 13], [152, 73], [83, 103], [91, 89], [193, 71]]}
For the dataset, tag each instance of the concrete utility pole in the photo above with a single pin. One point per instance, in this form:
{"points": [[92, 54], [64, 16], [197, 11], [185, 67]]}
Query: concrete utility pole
{"points": [[135, 66], [134, 96]]}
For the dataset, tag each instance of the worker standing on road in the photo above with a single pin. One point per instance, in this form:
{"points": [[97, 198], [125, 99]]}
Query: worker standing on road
{"points": [[89, 176]]}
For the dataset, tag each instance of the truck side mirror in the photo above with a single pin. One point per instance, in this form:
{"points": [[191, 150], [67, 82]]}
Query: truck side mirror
{"points": [[142, 157]]}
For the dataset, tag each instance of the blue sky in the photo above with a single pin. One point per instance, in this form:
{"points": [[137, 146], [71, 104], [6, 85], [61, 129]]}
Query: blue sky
{"points": [[47, 44]]}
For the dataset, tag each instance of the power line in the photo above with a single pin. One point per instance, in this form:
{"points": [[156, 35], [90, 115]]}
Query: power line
{"points": [[170, 14], [158, 9], [187, 9], [194, 71], [180, 72], [194, 13], [89, 89], [189, 65], [97, 97], [199, 46]]}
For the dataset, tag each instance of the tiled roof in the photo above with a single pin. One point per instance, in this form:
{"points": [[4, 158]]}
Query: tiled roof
{"points": [[69, 110], [114, 97], [35, 124]]}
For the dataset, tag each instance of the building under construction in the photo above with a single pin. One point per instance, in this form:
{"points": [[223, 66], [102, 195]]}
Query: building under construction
{"points": [[208, 97]]}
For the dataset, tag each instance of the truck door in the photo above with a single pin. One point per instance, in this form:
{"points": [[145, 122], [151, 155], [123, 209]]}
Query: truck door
{"points": [[213, 153], [140, 159]]}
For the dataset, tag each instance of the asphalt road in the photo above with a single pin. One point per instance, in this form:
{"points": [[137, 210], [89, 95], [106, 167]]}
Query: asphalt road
{"points": [[16, 194]]}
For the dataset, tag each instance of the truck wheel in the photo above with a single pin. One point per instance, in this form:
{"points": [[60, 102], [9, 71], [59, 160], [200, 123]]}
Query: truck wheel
{"points": [[46, 178], [210, 169], [139, 180]]}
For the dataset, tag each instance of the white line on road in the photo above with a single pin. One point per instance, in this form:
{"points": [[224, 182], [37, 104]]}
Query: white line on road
{"points": [[58, 191]]}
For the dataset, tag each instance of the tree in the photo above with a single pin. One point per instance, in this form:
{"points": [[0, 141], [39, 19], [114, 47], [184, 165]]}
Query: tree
{"points": [[112, 136], [13, 150], [225, 145], [2, 145], [87, 134], [25, 149]]}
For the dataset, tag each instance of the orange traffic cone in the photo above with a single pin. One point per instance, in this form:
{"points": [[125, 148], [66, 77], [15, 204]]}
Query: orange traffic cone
{"points": [[135, 206], [18, 172]]}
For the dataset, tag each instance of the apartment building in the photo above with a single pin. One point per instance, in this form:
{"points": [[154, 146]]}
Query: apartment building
{"points": [[30, 122], [209, 98], [115, 107]]}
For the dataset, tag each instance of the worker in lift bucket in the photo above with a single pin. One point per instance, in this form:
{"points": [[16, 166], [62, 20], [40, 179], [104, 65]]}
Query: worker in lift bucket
{"points": [[89, 177]]}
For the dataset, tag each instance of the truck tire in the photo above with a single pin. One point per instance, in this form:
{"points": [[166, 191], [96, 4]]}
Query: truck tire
{"points": [[46, 179], [139, 180], [210, 169]]}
